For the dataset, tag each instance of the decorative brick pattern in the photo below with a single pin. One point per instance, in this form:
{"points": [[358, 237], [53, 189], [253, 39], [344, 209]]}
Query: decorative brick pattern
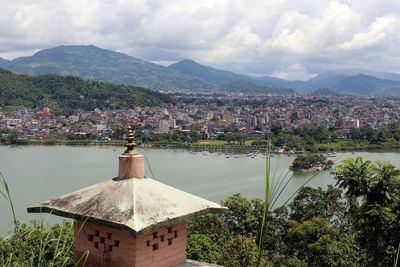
{"points": [[102, 241], [165, 247]]}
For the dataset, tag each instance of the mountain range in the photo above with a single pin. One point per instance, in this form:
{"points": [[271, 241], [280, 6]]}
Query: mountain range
{"points": [[93, 63], [351, 81]]}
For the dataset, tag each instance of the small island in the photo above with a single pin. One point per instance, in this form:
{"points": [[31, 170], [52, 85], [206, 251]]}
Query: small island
{"points": [[310, 163]]}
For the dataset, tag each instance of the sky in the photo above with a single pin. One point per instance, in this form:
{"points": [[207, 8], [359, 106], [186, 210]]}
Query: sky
{"points": [[289, 39]]}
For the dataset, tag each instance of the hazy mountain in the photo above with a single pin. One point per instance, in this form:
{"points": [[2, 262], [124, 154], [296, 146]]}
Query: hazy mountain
{"points": [[324, 91], [321, 81], [355, 81], [69, 92], [4, 62], [244, 86], [363, 84], [209, 74], [277, 82], [355, 72], [222, 77], [93, 63]]}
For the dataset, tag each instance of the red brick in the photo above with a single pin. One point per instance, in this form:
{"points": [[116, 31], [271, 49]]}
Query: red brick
{"points": [[131, 251]]}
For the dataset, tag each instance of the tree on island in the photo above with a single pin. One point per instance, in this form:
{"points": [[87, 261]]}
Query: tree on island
{"points": [[311, 163]]}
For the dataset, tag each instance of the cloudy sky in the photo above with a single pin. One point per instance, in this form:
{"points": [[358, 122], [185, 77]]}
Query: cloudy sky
{"points": [[291, 39]]}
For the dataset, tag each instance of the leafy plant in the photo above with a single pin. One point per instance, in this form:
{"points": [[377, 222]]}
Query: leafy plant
{"points": [[376, 220], [6, 195]]}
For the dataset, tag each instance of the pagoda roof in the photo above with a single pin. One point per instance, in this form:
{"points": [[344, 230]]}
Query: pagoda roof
{"points": [[135, 205]]}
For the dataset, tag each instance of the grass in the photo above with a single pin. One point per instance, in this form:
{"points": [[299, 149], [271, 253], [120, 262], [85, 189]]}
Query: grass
{"points": [[35, 245], [7, 196]]}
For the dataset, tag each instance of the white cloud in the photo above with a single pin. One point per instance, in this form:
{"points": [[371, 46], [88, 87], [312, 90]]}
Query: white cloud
{"points": [[384, 30], [248, 36]]}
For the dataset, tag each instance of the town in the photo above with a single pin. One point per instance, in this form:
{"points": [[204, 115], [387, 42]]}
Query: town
{"points": [[212, 115]]}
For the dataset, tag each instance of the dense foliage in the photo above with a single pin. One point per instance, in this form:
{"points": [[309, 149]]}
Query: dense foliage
{"points": [[306, 162], [73, 93], [320, 227], [377, 219]]}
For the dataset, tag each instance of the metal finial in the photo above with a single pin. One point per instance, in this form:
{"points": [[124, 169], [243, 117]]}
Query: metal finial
{"points": [[130, 146]]}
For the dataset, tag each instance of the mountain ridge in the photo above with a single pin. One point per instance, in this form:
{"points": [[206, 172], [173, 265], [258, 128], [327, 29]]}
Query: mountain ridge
{"points": [[93, 63], [207, 73]]}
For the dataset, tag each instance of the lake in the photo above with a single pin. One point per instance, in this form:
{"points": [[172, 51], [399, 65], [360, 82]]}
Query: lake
{"points": [[39, 173]]}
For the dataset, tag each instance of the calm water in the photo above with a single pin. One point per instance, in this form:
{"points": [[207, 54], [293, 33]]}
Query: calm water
{"points": [[35, 174]]}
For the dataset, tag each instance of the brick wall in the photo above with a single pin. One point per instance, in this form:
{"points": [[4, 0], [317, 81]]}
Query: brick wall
{"points": [[111, 247]]}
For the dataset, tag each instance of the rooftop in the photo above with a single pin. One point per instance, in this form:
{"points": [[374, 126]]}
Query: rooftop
{"points": [[137, 206]]}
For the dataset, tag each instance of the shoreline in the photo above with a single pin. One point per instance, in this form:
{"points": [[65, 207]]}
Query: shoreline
{"points": [[194, 146], [312, 169]]}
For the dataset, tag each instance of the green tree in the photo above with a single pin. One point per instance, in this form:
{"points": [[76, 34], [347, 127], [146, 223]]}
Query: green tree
{"points": [[311, 203], [276, 128], [239, 252], [377, 218], [317, 243], [201, 248], [244, 216], [211, 225]]}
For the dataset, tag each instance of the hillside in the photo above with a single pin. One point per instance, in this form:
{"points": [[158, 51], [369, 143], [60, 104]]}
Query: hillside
{"points": [[243, 86], [355, 72], [363, 84], [209, 74], [93, 63], [73, 93], [4, 62]]}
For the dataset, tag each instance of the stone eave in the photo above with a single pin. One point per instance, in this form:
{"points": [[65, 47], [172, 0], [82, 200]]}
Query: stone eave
{"points": [[123, 227]]}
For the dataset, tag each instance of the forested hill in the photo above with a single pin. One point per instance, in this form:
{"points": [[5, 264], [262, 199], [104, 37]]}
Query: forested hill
{"points": [[73, 93], [97, 64]]}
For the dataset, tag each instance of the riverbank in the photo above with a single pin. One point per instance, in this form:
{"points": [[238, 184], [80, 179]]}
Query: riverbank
{"points": [[218, 145], [312, 169]]}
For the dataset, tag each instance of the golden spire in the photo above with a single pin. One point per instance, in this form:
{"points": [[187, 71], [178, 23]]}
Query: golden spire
{"points": [[130, 146]]}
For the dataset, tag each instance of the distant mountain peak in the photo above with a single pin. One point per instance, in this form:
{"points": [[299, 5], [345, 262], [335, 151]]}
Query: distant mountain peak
{"points": [[187, 61], [207, 73]]}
